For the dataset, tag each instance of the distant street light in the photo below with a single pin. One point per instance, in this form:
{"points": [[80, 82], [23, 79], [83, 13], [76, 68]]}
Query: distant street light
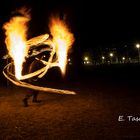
{"points": [[138, 47], [123, 59], [111, 55], [86, 58], [103, 58]]}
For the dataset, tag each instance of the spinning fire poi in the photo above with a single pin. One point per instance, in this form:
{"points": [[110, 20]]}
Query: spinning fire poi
{"points": [[18, 49]]}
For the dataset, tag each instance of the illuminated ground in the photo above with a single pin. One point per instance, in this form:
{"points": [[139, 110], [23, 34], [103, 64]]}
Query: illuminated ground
{"points": [[91, 114]]}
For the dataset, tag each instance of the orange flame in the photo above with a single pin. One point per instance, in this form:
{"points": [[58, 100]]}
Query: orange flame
{"points": [[15, 40], [62, 38]]}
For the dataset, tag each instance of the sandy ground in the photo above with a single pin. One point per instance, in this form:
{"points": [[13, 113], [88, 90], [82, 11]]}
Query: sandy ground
{"points": [[91, 114]]}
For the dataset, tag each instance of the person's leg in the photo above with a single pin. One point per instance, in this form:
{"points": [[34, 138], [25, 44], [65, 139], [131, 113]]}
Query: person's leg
{"points": [[25, 100], [35, 95]]}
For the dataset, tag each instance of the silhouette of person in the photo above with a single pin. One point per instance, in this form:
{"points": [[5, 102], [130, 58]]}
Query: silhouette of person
{"points": [[35, 65]]}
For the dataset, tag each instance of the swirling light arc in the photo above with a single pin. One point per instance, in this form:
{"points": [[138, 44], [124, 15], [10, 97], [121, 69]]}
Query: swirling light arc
{"points": [[16, 32]]}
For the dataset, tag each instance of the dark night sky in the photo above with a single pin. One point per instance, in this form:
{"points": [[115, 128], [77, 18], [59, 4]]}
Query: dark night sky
{"points": [[93, 23]]}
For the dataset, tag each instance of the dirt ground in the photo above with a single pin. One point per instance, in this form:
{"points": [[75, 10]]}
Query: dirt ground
{"points": [[91, 114]]}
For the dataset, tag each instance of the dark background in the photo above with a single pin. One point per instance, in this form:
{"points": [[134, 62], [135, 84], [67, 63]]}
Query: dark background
{"points": [[93, 23]]}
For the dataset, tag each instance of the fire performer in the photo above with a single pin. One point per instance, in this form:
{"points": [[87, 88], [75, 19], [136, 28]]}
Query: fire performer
{"points": [[35, 65]]}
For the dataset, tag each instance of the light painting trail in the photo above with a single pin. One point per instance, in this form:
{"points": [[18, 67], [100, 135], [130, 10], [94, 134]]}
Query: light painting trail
{"points": [[18, 48]]}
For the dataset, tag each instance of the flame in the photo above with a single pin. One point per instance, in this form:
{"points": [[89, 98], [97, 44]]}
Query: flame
{"points": [[62, 38], [15, 31]]}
